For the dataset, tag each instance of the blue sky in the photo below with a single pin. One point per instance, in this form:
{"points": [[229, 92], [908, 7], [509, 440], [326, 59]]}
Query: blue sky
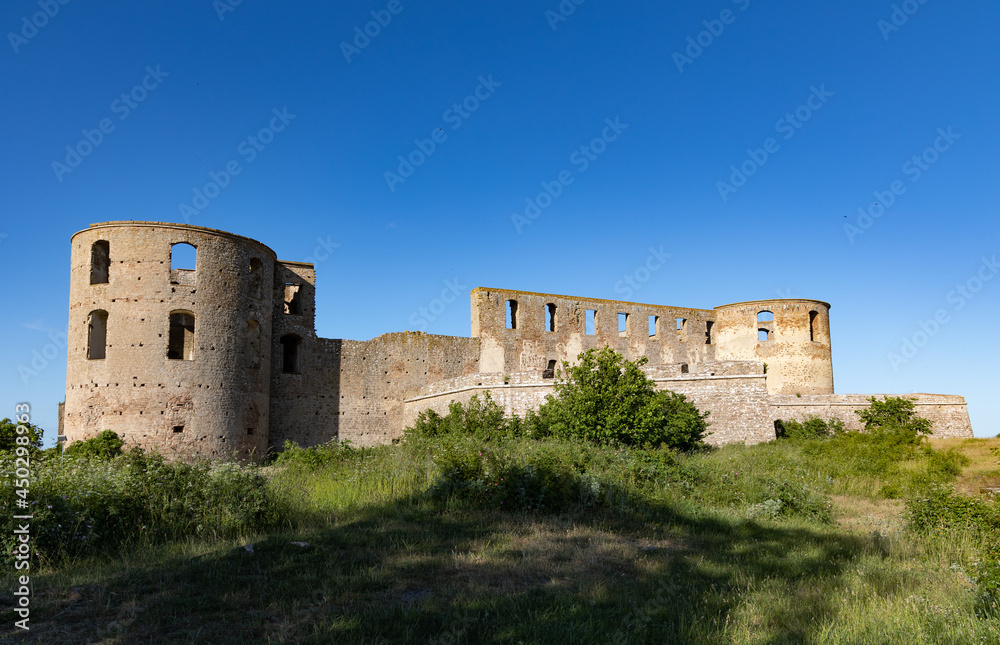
{"points": [[451, 147]]}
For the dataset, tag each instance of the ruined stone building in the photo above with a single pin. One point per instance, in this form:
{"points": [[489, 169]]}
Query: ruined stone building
{"points": [[221, 358]]}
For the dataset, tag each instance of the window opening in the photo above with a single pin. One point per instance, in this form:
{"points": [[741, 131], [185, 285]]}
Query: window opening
{"points": [[100, 260], [590, 321], [654, 321], [293, 300], [550, 371], [763, 335], [97, 334], [708, 331], [812, 325], [765, 316], [622, 324], [180, 342], [550, 317], [512, 314], [290, 354]]}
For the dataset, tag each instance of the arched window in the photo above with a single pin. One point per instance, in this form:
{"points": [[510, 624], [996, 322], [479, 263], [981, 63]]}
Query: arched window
{"points": [[180, 343], [812, 324], [183, 263], [684, 368], [550, 371], [765, 316], [290, 353], [100, 260], [255, 271], [550, 317], [97, 334], [763, 335], [253, 344]]}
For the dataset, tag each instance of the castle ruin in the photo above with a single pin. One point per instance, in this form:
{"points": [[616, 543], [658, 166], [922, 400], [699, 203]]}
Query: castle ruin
{"points": [[222, 360]]}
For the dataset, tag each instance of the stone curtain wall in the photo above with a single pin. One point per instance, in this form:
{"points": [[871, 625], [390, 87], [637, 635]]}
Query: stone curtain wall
{"points": [[948, 412], [216, 402], [356, 389], [531, 345]]}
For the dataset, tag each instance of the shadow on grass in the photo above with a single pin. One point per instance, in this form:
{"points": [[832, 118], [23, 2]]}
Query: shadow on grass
{"points": [[406, 573]]}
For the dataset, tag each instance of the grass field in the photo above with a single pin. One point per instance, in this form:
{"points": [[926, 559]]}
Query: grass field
{"points": [[714, 551]]}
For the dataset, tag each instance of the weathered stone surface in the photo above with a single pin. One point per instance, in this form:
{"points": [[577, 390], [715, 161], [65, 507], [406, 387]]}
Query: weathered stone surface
{"points": [[248, 372]]}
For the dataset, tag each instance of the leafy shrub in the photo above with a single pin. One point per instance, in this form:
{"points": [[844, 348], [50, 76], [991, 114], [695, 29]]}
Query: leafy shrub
{"points": [[316, 457], [811, 428], [88, 505], [607, 400], [894, 412], [986, 573], [480, 418], [106, 445], [941, 509]]}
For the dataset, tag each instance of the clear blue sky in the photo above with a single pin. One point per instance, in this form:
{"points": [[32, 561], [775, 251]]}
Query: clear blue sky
{"points": [[822, 105]]}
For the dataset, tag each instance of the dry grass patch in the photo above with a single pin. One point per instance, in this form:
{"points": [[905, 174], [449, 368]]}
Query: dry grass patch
{"points": [[983, 470]]}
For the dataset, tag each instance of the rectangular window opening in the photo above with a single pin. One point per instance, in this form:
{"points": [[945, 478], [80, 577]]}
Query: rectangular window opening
{"points": [[512, 314], [590, 321], [550, 317], [708, 332], [622, 323], [653, 323], [178, 429], [293, 301], [762, 335]]}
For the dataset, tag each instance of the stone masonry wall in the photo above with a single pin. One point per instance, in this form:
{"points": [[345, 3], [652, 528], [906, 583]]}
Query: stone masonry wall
{"points": [[948, 412]]}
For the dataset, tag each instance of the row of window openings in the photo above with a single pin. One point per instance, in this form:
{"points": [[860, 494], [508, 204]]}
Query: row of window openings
{"points": [[180, 340], [184, 257], [590, 322], [764, 334]]}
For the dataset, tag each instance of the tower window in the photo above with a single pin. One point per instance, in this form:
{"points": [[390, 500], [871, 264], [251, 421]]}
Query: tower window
{"points": [[290, 353], [708, 331], [180, 343], [590, 321], [97, 334], [812, 324], [183, 262], [654, 322], [100, 260], [550, 317], [765, 316], [512, 314], [550, 371], [763, 335], [622, 323]]}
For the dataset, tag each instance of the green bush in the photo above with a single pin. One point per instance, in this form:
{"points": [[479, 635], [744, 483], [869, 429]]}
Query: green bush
{"points": [[483, 419], [89, 505], [893, 412], [106, 445], [607, 400], [940, 508], [316, 457], [812, 428]]}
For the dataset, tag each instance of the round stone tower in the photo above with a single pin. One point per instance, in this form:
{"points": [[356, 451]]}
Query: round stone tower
{"points": [[175, 358], [792, 336]]}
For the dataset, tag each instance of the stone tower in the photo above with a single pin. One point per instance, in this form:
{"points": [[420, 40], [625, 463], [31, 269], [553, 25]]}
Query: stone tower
{"points": [[177, 359], [791, 336]]}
